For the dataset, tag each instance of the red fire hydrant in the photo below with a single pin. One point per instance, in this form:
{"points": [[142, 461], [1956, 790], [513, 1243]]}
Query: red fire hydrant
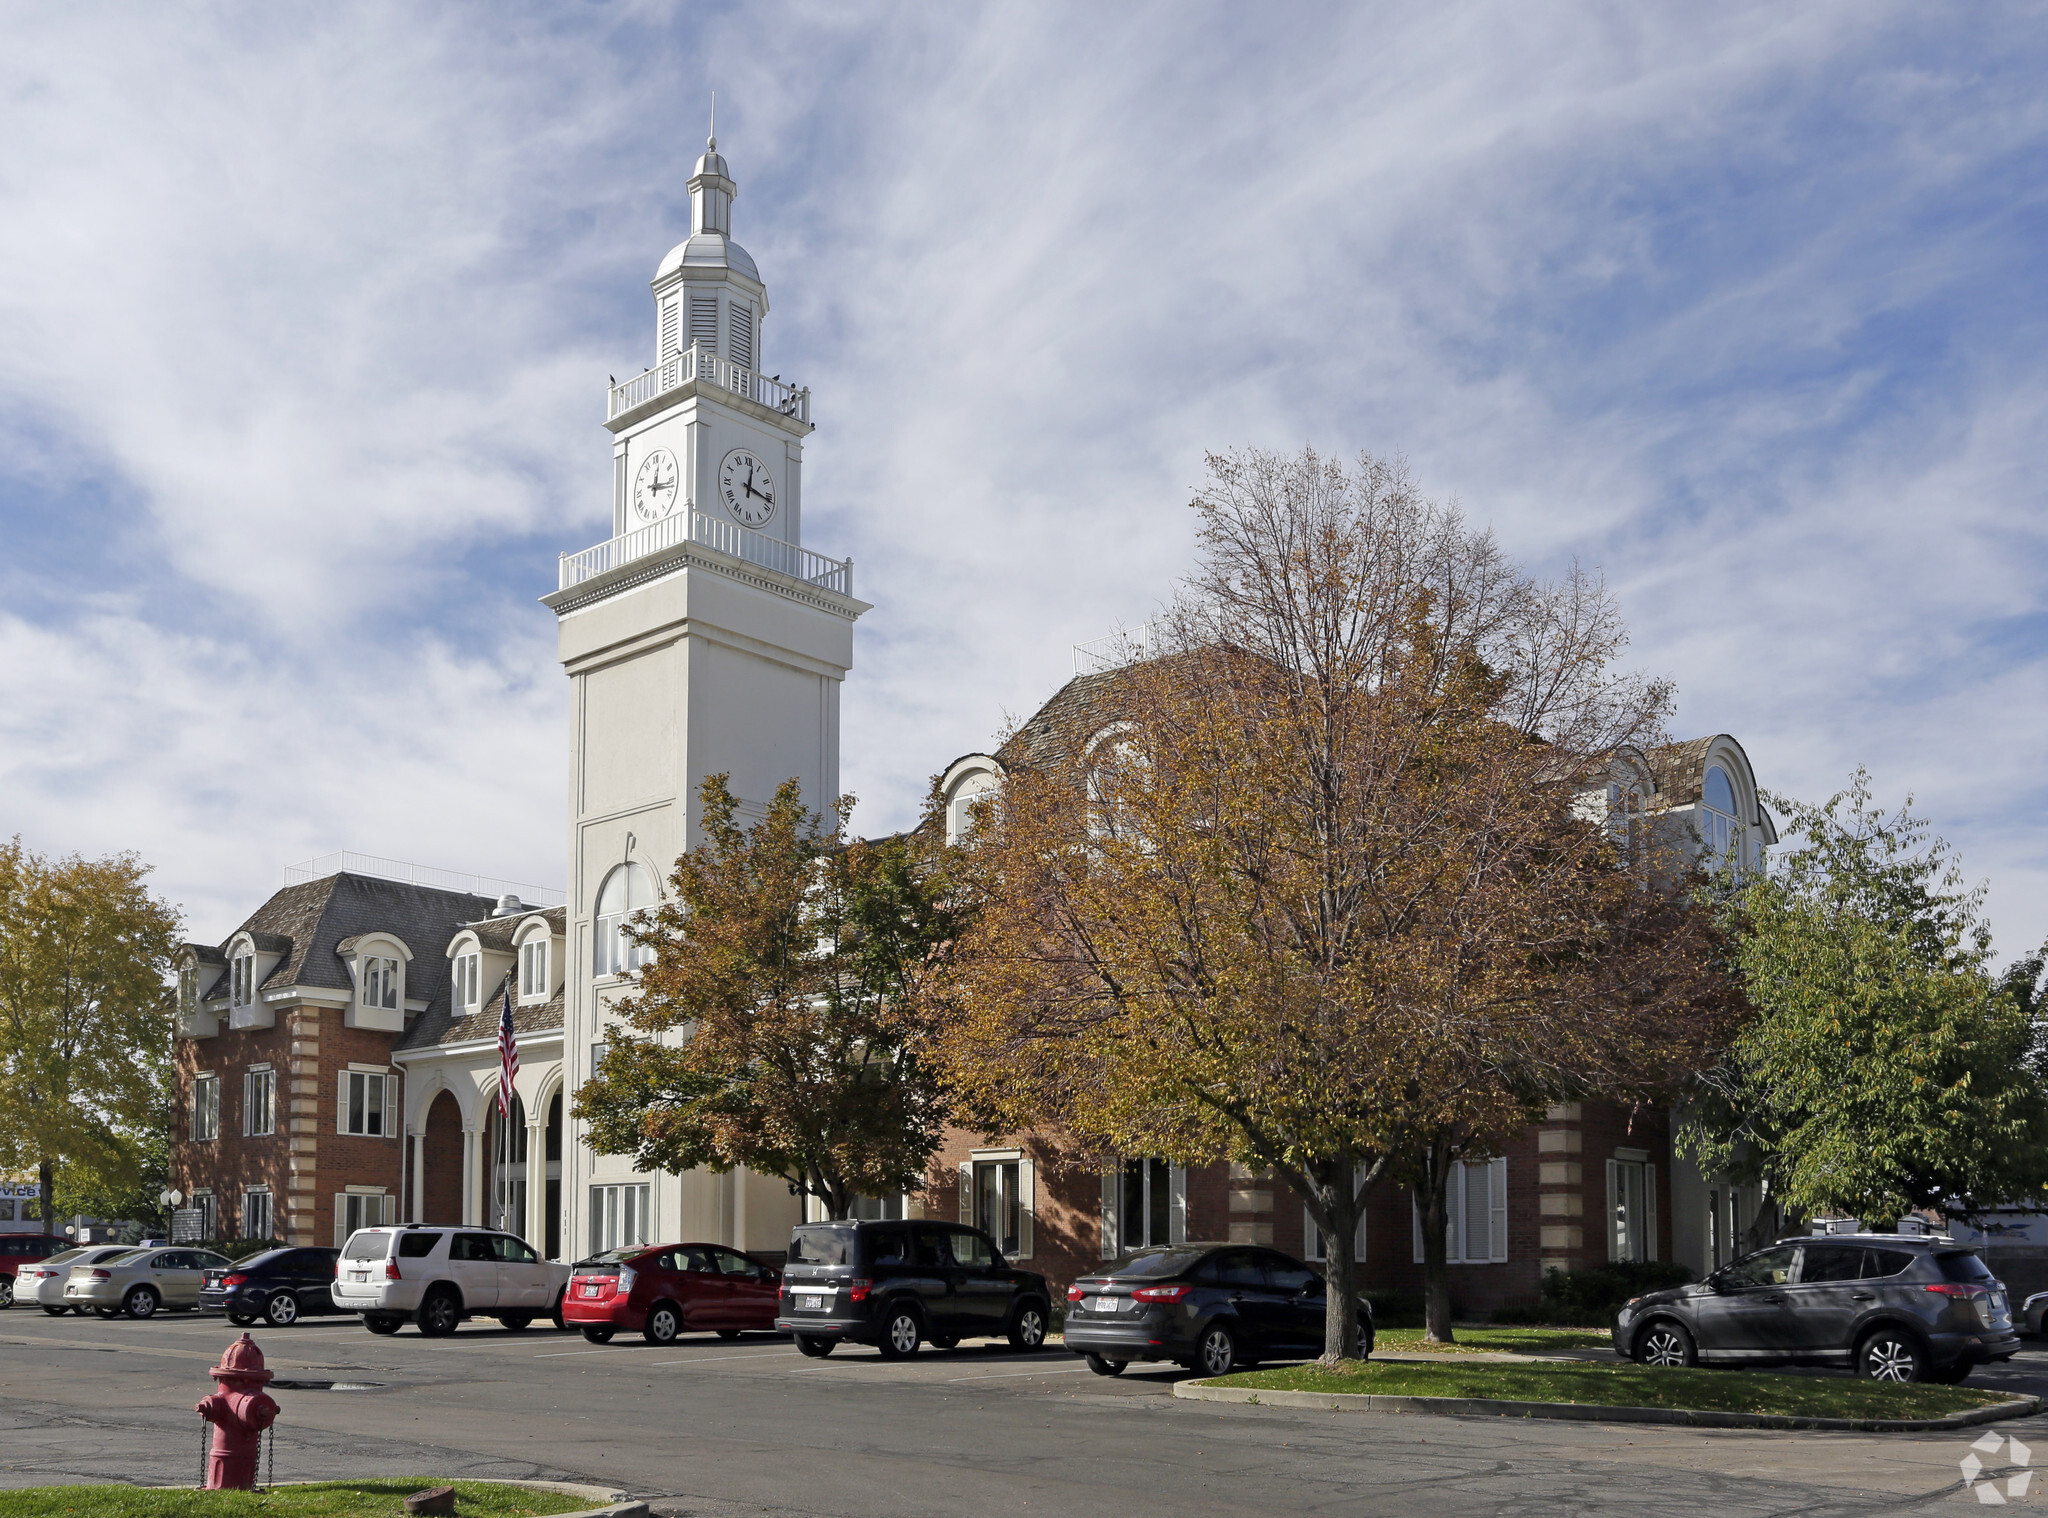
{"points": [[239, 1411]]}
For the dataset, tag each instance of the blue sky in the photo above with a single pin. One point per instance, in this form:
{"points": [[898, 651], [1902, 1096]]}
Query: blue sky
{"points": [[305, 315]]}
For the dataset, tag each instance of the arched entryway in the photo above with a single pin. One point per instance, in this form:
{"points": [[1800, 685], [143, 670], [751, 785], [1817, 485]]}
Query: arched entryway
{"points": [[441, 1193], [554, 1178]]}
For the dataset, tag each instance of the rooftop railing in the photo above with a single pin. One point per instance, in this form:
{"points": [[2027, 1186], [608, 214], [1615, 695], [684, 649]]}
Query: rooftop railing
{"points": [[420, 874], [712, 532], [701, 364]]}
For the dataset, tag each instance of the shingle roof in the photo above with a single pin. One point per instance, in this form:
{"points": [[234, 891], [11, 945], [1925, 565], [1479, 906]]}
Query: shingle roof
{"points": [[436, 1027], [1082, 707]]}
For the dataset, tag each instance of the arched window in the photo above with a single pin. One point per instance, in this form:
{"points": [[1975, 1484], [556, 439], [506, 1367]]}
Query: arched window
{"points": [[960, 811], [1720, 827], [627, 890]]}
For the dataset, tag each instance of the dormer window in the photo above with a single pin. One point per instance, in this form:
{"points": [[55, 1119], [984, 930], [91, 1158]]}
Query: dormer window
{"points": [[533, 969], [380, 982], [1721, 834], [188, 988], [242, 980], [467, 972]]}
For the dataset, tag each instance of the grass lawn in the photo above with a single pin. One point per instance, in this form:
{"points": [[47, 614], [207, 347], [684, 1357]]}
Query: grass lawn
{"points": [[323, 1499], [1625, 1386], [1477, 1340]]}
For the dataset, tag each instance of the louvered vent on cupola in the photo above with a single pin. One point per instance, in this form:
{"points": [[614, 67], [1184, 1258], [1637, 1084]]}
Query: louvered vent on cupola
{"points": [[669, 319], [704, 321], [743, 336]]}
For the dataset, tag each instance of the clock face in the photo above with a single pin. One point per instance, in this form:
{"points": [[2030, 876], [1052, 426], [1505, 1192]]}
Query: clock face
{"points": [[657, 486], [748, 487]]}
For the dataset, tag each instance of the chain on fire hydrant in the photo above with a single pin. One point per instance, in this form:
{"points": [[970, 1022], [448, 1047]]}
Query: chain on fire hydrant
{"points": [[240, 1410]]}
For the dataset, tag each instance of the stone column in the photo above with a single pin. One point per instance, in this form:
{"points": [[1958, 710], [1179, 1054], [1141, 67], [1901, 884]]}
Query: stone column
{"points": [[1561, 1188], [536, 1223], [302, 1182], [472, 1179], [419, 1173]]}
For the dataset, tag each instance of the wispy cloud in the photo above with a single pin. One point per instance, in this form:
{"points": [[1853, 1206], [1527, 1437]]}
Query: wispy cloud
{"points": [[304, 318]]}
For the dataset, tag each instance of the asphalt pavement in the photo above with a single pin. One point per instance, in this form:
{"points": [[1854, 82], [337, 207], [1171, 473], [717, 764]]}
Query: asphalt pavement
{"points": [[748, 1428]]}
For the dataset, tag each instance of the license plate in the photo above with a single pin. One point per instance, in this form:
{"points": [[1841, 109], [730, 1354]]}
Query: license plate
{"points": [[1107, 1304], [593, 1291], [809, 1301], [359, 1275]]}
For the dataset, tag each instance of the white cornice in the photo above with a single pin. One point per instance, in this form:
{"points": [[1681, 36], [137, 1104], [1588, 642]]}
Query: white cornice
{"points": [[686, 556], [543, 1037]]}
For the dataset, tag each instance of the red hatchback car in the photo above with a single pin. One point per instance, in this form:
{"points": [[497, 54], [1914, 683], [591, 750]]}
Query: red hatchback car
{"points": [[668, 1289]]}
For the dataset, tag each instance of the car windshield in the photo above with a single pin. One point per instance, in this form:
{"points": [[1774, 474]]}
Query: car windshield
{"points": [[821, 1244], [1961, 1265], [1166, 1262], [367, 1246]]}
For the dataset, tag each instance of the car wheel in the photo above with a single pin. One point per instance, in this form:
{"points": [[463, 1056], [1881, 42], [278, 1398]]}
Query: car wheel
{"points": [[282, 1310], [241, 1320], [1217, 1353], [6, 1292], [815, 1347], [1103, 1367], [1891, 1354], [380, 1323], [515, 1322], [1027, 1329], [901, 1333], [141, 1302], [599, 1335], [555, 1313], [663, 1324], [438, 1315], [1667, 1345]]}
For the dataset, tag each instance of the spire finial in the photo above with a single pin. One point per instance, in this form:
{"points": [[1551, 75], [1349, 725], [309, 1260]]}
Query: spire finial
{"points": [[712, 142]]}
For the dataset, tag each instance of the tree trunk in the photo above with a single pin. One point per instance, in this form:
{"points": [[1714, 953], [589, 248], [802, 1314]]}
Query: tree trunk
{"points": [[1433, 1201], [47, 1174], [1337, 1215]]}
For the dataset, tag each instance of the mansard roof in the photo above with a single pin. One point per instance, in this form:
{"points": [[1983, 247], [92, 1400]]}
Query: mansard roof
{"points": [[437, 1027]]}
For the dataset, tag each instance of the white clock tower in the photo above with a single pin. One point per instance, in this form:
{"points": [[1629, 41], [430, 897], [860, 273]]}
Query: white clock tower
{"points": [[701, 637]]}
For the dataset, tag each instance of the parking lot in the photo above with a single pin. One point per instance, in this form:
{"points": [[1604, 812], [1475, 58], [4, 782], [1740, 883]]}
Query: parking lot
{"points": [[746, 1427]]}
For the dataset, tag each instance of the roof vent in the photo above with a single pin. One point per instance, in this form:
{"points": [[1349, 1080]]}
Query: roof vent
{"points": [[508, 905]]}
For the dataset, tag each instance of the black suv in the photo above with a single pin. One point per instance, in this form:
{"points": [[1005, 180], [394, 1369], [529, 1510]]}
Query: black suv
{"points": [[279, 1286], [894, 1285], [1892, 1307], [1212, 1310]]}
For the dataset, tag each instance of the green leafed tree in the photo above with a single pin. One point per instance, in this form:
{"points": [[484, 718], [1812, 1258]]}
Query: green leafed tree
{"points": [[1887, 1067], [778, 1025], [85, 1023]]}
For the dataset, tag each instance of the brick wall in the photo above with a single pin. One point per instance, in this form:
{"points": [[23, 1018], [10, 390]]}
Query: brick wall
{"points": [[230, 1164]]}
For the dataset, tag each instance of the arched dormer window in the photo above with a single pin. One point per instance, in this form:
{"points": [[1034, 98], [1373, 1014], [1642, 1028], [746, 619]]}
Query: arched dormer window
{"points": [[536, 974], [975, 788], [1721, 833], [627, 890]]}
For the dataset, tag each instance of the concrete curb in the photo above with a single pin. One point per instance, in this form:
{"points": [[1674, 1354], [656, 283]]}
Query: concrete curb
{"points": [[1586, 1412]]}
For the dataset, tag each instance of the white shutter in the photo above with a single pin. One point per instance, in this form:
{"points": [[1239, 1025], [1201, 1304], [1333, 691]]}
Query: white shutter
{"points": [[340, 1219], [248, 1102], [1497, 1195], [1477, 1213], [341, 1102], [1649, 1212], [1613, 1202], [1027, 1200], [967, 1192], [1177, 1214], [741, 320], [704, 320], [1111, 1178], [390, 1104], [668, 329]]}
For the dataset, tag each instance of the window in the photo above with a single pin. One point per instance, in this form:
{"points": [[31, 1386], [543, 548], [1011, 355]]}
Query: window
{"points": [[742, 319], [209, 1218], [463, 977], [960, 811], [188, 988], [380, 983], [368, 1104], [205, 1107], [533, 969], [1631, 1209], [1144, 1206], [1721, 836], [355, 1209], [1234, 1267], [1313, 1242], [627, 890], [1773, 1267], [242, 980], [704, 321], [1476, 1199], [996, 1210], [256, 1213], [877, 1209], [970, 1249], [618, 1216], [259, 1109]]}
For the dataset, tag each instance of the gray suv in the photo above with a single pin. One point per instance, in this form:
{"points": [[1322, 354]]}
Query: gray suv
{"points": [[1890, 1307]]}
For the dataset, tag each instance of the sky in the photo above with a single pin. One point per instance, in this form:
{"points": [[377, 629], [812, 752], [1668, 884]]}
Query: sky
{"points": [[306, 315]]}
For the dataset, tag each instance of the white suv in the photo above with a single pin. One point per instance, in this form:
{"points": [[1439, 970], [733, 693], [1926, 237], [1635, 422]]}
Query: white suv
{"points": [[439, 1276]]}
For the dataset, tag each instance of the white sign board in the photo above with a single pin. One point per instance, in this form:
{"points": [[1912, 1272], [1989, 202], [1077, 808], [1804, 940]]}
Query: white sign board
{"points": [[2003, 1230]]}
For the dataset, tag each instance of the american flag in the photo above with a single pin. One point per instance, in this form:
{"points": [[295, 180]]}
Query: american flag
{"points": [[508, 1056]]}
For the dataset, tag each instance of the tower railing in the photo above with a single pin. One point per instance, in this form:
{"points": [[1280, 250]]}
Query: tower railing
{"points": [[715, 533], [696, 363]]}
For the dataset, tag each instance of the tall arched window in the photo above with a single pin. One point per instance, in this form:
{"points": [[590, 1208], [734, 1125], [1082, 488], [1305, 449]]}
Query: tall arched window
{"points": [[627, 890], [1720, 827]]}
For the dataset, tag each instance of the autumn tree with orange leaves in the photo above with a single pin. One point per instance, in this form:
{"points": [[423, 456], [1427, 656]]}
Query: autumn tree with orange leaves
{"points": [[1321, 884]]}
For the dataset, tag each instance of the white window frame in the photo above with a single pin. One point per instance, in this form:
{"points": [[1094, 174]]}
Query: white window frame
{"points": [[384, 1109], [242, 979], [621, 1213], [1114, 1244], [380, 982], [464, 982], [259, 1104], [188, 988], [1631, 1218], [250, 1195], [995, 1163], [533, 969], [205, 1108], [1459, 1247], [361, 1209], [612, 952], [204, 1204]]}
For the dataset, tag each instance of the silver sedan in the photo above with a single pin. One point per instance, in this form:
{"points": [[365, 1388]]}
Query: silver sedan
{"points": [[140, 1281], [42, 1284]]}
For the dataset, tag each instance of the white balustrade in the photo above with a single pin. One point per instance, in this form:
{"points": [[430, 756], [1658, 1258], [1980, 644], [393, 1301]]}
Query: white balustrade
{"points": [[695, 363], [712, 532]]}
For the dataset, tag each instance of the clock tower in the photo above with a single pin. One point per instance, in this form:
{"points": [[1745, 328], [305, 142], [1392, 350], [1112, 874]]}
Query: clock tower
{"points": [[700, 638]]}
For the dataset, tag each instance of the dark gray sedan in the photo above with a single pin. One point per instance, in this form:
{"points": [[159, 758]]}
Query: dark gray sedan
{"points": [[1888, 1306]]}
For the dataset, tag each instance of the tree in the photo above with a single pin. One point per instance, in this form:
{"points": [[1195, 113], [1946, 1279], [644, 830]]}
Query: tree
{"points": [[781, 1021], [1887, 1066], [85, 1024], [1316, 886]]}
